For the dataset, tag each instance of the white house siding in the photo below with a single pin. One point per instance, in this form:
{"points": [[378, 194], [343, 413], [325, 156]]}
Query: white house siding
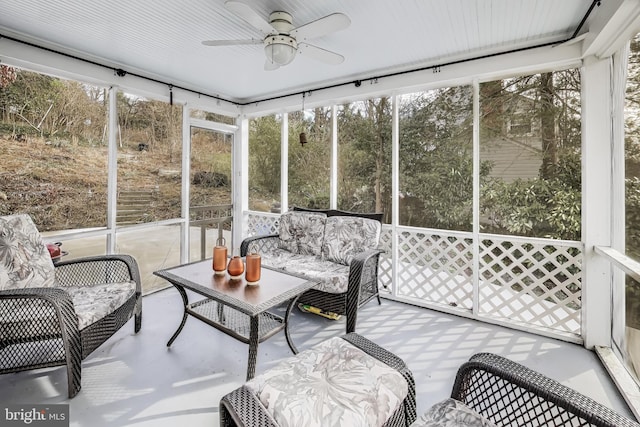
{"points": [[511, 159]]}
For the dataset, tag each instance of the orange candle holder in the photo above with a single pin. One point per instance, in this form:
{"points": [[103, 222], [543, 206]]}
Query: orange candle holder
{"points": [[253, 269], [235, 268], [220, 260]]}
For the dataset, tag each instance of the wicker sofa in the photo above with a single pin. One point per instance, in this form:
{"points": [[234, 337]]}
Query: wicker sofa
{"points": [[338, 248], [58, 315]]}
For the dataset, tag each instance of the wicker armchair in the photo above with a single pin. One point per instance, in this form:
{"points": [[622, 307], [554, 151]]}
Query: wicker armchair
{"points": [[56, 316], [363, 273], [509, 394]]}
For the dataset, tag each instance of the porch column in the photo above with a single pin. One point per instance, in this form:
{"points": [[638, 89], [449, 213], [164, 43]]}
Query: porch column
{"points": [[284, 163], [596, 200], [112, 172], [240, 182], [185, 185]]}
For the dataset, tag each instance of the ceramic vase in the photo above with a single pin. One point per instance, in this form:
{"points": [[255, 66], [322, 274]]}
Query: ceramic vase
{"points": [[219, 259], [253, 269], [235, 268]]}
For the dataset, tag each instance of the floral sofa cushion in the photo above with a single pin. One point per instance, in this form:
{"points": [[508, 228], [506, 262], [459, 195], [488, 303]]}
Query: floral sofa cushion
{"points": [[24, 259], [331, 384], [346, 236], [451, 413], [302, 232], [333, 277]]}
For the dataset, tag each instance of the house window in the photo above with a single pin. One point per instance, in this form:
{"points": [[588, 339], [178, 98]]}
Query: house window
{"points": [[520, 125]]}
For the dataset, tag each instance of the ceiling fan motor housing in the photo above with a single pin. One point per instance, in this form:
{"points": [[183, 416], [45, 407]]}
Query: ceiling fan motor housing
{"points": [[281, 21], [280, 48], [280, 37]]}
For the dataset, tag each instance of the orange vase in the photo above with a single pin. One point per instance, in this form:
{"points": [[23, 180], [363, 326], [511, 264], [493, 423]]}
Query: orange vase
{"points": [[235, 267], [253, 269], [220, 259]]}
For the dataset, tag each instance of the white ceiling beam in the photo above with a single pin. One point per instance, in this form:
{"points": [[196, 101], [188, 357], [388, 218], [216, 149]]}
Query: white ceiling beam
{"points": [[33, 58], [501, 66], [613, 23]]}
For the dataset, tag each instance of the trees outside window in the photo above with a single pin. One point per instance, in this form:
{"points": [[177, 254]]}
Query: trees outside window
{"points": [[53, 147], [264, 163], [436, 159], [533, 182], [310, 165], [364, 156], [149, 160]]}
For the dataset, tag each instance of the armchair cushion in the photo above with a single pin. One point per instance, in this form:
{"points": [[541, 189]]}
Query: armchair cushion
{"points": [[24, 259], [302, 232], [332, 384], [346, 236], [93, 303]]}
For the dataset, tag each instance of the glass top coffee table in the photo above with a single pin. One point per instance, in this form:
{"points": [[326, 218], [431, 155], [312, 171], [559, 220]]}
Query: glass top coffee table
{"points": [[235, 308]]}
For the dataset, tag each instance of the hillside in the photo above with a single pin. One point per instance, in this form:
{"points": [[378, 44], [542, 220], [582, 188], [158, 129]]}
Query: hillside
{"points": [[63, 184]]}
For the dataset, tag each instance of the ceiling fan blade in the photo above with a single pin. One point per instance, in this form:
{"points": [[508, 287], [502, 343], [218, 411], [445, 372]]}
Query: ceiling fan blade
{"points": [[231, 42], [251, 16], [320, 54], [322, 26], [270, 66]]}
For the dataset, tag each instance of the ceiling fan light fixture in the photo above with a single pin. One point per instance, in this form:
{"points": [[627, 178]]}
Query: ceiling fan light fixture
{"points": [[280, 49]]}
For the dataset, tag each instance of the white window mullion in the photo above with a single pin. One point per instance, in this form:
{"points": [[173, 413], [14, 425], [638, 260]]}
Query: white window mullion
{"points": [[476, 199], [284, 164], [186, 195], [112, 172]]}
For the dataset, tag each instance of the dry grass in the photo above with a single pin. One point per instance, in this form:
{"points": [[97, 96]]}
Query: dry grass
{"points": [[64, 185]]}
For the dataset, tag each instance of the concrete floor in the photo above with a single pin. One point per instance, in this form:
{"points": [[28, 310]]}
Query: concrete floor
{"points": [[134, 380]]}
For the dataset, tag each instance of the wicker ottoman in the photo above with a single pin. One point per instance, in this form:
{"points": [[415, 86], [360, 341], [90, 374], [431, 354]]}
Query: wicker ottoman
{"points": [[343, 381]]}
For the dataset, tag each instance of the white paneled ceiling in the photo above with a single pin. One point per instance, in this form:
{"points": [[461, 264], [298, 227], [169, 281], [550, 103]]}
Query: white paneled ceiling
{"points": [[162, 39]]}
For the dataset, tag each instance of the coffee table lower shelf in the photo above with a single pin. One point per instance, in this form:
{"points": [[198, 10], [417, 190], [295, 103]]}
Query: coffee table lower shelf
{"points": [[233, 322]]}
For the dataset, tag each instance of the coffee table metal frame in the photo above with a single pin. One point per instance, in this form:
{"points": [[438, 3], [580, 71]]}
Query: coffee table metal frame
{"points": [[227, 308]]}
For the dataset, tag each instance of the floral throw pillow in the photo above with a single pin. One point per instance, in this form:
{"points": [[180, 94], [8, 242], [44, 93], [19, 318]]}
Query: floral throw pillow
{"points": [[347, 236], [302, 232], [24, 259]]}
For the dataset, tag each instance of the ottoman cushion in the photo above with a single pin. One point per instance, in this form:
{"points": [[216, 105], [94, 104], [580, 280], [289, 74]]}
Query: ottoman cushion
{"points": [[331, 384], [452, 413]]}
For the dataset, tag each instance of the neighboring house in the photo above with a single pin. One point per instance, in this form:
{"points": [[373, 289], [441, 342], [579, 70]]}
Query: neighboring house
{"points": [[511, 159], [517, 152]]}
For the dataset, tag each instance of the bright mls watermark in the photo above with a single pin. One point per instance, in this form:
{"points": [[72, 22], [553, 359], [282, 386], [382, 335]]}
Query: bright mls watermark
{"points": [[34, 415]]}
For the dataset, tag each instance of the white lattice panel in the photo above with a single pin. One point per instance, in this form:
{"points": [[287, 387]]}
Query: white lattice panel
{"points": [[531, 281], [436, 268], [259, 224]]}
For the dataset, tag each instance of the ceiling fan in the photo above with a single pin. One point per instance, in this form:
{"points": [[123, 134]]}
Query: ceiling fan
{"points": [[282, 41]]}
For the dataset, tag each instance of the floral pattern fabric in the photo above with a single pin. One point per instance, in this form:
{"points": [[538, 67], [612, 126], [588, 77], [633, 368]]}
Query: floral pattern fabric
{"points": [[333, 277], [92, 303], [452, 413], [302, 232], [331, 384], [346, 236], [24, 259]]}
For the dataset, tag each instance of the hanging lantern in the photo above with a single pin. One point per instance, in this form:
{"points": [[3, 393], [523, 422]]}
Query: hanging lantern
{"points": [[303, 135]]}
